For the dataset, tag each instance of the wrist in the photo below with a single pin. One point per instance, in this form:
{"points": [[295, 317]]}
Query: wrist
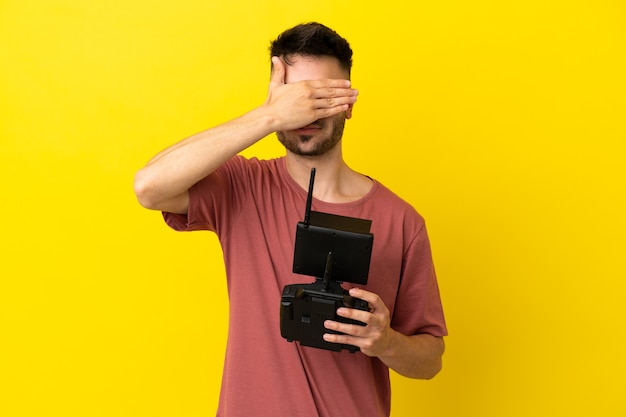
{"points": [[265, 119]]}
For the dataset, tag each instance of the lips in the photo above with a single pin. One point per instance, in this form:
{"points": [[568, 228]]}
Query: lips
{"points": [[309, 128]]}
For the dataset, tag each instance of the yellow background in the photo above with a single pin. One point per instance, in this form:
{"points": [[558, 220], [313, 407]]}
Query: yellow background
{"points": [[503, 122]]}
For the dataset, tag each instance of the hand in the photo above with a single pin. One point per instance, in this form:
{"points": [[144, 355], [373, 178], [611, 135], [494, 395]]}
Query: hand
{"points": [[301, 103], [375, 338]]}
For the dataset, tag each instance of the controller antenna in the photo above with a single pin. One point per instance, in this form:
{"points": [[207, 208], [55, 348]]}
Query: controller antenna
{"points": [[309, 200]]}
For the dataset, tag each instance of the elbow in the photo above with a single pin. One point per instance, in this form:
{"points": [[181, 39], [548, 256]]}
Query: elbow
{"points": [[424, 371], [432, 372], [152, 194], [436, 363], [433, 362], [143, 190]]}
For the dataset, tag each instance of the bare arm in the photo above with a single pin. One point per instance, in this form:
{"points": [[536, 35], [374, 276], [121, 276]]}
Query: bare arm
{"points": [[164, 182], [417, 356]]}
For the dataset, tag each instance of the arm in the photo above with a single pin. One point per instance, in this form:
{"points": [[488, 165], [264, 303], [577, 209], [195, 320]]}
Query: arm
{"points": [[164, 182], [418, 356]]}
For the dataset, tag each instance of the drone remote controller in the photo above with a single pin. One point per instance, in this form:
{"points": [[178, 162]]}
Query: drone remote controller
{"points": [[333, 249]]}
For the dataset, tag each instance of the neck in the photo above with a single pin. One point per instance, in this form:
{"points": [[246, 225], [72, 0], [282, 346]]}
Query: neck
{"points": [[335, 181]]}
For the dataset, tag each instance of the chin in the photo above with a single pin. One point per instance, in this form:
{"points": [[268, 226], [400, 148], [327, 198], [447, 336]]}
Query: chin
{"points": [[307, 145]]}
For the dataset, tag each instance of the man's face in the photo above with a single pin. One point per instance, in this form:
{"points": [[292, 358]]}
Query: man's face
{"points": [[324, 134]]}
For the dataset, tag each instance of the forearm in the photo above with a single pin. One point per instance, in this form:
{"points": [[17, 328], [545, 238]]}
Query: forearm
{"points": [[174, 170], [164, 183], [418, 356]]}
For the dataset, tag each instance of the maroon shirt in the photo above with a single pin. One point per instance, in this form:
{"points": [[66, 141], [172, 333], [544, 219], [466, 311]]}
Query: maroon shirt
{"points": [[254, 207]]}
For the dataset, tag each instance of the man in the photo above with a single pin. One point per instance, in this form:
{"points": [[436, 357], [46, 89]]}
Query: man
{"points": [[254, 206]]}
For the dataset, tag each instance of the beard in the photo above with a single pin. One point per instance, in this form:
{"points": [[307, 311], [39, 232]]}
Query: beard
{"points": [[295, 143]]}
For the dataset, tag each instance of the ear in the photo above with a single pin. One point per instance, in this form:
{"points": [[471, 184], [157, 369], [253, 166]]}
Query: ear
{"points": [[349, 111]]}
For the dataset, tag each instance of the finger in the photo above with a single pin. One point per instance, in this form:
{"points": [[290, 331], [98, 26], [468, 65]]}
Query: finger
{"points": [[372, 299], [325, 112], [355, 314], [335, 88], [331, 83], [330, 102], [346, 328], [342, 339], [278, 71]]}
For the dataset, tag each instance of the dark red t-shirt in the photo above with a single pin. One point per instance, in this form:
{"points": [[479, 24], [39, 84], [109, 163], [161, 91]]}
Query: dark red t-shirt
{"points": [[254, 206]]}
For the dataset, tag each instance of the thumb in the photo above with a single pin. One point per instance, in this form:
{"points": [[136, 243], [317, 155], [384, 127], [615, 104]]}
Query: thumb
{"points": [[278, 71]]}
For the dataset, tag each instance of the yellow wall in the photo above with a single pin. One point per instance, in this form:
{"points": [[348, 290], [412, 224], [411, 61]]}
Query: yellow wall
{"points": [[503, 122]]}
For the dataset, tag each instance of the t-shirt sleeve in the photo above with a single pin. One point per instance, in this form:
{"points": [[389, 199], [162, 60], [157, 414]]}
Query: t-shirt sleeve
{"points": [[418, 307], [215, 200]]}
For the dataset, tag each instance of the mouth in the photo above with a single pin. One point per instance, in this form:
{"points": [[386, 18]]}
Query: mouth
{"points": [[309, 129]]}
